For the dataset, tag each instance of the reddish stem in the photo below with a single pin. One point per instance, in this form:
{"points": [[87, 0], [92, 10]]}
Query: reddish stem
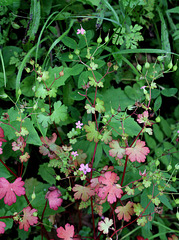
{"points": [[8, 168]]}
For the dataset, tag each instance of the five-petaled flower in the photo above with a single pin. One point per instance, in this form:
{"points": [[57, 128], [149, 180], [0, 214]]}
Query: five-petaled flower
{"points": [[10, 190], [53, 196], [79, 124], [82, 31], [84, 168], [74, 153], [28, 218]]}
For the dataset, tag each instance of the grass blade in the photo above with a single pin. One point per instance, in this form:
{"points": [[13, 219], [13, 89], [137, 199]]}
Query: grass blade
{"points": [[19, 75], [3, 68]]}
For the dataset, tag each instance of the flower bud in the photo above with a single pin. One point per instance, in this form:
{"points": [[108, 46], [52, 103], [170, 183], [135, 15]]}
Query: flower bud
{"points": [[35, 106], [70, 56], [157, 119], [115, 67], [112, 111], [157, 162], [19, 92], [175, 67], [169, 167], [170, 65], [109, 64], [177, 215], [58, 177], [147, 65], [27, 70], [33, 196], [61, 73], [139, 67], [106, 39], [77, 51], [99, 40], [160, 58], [31, 62], [174, 179], [177, 166]]}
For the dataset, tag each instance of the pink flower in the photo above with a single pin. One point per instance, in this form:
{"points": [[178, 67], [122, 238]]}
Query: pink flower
{"points": [[2, 226], [8, 190], [82, 31], [74, 153], [53, 196], [84, 168], [143, 87], [28, 219], [79, 124], [142, 174]]}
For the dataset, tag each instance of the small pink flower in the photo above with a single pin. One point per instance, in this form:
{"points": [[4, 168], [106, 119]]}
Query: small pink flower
{"points": [[28, 219], [79, 124], [10, 190], [53, 196], [2, 226], [74, 153], [82, 31], [142, 174], [143, 87], [84, 168], [178, 131]]}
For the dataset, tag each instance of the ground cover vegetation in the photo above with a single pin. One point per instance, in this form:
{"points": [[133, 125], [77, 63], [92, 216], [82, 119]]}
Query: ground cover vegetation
{"points": [[89, 116]]}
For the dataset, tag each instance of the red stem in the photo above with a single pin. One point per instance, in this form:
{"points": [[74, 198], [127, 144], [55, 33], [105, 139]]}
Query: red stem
{"points": [[8, 168]]}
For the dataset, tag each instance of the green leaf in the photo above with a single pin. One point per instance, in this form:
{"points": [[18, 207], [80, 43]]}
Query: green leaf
{"points": [[165, 127], [34, 23], [146, 230], [131, 127], [26, 86], [157, 103], [151, 143], [169, 92], [92, 134], [6, 2], [99, 107], [44, 120], [113, 97], [4, 172], [54, 73], [41, 92], [158, 133], [47, 173], [69, 42], [59, 113], [98, 155], [164, 37], [33, 137]]}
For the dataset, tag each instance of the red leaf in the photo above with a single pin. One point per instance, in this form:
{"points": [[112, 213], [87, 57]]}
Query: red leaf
{"points": [[2, 135], [67, 233]]}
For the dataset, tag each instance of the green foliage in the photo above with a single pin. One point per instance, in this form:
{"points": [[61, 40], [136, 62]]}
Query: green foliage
{"points": [[130, 38], [89, 117]]}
